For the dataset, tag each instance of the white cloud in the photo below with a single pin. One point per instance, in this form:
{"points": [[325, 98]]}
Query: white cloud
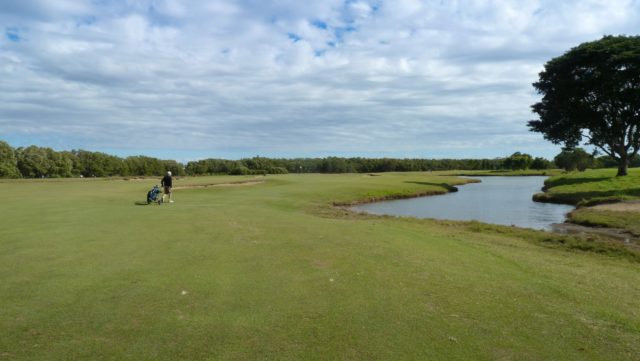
{"points": [[274, 77]]}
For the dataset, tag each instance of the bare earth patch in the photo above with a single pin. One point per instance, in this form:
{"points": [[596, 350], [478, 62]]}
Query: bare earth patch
{"points": [[628, 206], [232, 184], [614, 233]]}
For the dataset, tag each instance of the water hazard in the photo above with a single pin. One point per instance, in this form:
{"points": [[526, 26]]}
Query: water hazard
{"points": [[498, 200]]}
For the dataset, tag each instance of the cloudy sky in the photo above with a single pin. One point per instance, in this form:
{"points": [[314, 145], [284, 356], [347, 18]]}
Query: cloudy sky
{"points": [[184, 80]]}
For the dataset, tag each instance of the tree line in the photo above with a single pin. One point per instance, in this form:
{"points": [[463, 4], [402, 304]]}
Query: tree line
{"points": [[568, 159], [41, 162], [259, 165]]}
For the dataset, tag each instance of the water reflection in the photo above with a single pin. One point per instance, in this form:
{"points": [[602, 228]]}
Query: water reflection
{"points": [[499, 200]]}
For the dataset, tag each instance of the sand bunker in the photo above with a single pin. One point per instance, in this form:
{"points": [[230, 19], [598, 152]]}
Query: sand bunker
{"points": [[232, 184], [628, 206]]}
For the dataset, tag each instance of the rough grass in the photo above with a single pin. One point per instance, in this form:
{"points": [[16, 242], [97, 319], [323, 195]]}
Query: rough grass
{"points": [[275, 272], [586, 243], [629, 221]]}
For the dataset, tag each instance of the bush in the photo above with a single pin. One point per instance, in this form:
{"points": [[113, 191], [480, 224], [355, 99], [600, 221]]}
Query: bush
{"points": [[240, 170], [572, 159], [278, 170]]}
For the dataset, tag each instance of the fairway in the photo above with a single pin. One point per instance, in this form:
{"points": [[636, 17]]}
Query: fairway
{"points": [[271, 270]]}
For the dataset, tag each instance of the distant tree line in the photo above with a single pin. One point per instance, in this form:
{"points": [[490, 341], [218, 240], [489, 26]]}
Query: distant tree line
{"points": [[260, 165], [39, 162]]}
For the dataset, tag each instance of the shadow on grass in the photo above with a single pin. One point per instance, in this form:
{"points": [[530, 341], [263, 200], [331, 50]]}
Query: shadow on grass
{"points": [[446, 186], [588, 198], [596, 197], [140, 203], [572, 181]]}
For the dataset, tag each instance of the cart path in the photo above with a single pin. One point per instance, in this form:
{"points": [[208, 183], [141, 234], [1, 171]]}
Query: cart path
{"points": [[231, 184]]}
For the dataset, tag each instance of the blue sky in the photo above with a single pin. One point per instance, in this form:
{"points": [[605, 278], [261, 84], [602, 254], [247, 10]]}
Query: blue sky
{"points": [[213, 78]]}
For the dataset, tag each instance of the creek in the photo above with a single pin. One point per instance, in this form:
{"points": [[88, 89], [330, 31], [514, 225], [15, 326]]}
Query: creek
{"points": [[498, 200]]}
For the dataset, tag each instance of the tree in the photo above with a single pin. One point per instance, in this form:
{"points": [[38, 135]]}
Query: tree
{"points": [[146, 166], [541, 163], [176, 168], [33, 162], [96, 164], [572, 159], [518, 161], [593, 92], [59, 164], [8, 162]]}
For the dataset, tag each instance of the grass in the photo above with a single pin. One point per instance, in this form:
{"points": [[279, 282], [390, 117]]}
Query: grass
{"points": [[592, 187], [514, 173], [590, 243], [274, 272], [629, 221], [595, 187]]}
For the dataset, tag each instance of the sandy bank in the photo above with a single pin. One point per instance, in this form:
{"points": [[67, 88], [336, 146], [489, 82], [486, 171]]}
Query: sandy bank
{"points": [[626, 206]]}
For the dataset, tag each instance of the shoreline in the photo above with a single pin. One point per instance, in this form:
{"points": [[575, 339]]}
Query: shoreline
{"points": [[567, 227], [448, 189], [573, 226], [618, 234], [390, 198]]}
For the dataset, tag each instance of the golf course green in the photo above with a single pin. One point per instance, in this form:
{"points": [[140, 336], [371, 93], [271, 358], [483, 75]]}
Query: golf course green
{"points": [[268, 268]]}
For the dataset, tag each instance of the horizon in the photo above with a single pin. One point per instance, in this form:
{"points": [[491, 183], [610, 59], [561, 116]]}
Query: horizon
{"points": [[233, 79]]}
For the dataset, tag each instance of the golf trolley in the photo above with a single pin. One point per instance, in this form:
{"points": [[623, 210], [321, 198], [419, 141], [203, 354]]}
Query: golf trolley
{"points": [[155, 195]]}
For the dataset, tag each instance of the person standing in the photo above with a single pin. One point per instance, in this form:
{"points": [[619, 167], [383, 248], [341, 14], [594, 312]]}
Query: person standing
{"points": [[167, 183]]}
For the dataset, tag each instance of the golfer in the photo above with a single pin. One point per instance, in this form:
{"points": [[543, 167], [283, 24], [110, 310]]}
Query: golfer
{"points": [[167, 183]]}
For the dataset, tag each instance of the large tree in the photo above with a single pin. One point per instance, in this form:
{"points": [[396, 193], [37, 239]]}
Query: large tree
{"points": [[592, 92], [572, 159], [518, 161]]}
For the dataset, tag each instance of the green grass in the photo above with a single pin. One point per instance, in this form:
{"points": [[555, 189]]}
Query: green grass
{"points": [[592, 187], [595, 187], [629, 221], [514, 173], [275, 272]]}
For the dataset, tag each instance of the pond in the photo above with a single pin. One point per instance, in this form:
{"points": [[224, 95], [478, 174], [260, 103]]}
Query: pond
{"points": [[498, 200]]}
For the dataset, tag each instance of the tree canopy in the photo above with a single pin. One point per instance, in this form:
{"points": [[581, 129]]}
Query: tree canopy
{"points": [[8, 162], [518, 161], [593, 92]]}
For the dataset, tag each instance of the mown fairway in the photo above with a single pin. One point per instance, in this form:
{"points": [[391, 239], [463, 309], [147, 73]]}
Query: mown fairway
{"points": [[271, 271]]}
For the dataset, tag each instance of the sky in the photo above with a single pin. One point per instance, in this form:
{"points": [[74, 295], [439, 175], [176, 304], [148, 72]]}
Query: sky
{"points": [[187, 80]]}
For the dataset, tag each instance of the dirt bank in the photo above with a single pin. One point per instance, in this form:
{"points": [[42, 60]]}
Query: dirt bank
{"points": [[627, 206], [613, 233]]}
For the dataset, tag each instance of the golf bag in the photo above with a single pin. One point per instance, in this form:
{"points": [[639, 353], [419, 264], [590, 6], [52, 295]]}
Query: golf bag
{"points": [[154, 195]]}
